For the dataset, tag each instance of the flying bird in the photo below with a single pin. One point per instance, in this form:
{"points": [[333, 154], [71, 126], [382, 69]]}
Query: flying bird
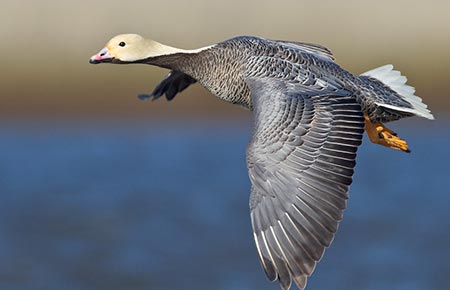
{"points": [[309, 119]]}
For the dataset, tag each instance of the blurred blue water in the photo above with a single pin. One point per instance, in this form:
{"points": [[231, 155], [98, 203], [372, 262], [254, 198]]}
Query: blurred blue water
{"points": [[165, 206]]}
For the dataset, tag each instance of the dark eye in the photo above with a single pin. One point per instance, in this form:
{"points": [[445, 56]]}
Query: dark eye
{"points": [[122, 44]]}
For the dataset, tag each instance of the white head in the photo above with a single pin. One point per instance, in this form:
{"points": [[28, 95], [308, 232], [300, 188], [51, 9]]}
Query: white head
{"points": [[130, 48]]}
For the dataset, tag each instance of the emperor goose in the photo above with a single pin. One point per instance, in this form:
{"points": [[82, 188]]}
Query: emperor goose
{"points": [[309, 118]]}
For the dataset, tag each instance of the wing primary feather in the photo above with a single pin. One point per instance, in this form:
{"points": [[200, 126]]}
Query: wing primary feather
{"points": [[271, 269], [297, 262], [266, 263], [307, 240], [279, 269], [280, 260]]}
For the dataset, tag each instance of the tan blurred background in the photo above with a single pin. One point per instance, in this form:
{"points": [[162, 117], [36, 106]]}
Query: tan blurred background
{"points": [[46, 45]]}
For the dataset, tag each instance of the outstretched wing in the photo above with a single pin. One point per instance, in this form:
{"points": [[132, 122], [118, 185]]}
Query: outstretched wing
{"points": [[174, 83], [300, 160]]}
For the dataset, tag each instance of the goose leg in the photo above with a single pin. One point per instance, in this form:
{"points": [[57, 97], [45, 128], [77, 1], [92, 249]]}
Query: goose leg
{"points": [[379, 134]]}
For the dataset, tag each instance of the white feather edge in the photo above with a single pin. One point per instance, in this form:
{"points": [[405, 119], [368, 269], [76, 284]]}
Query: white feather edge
{"points": [[397, 82]]}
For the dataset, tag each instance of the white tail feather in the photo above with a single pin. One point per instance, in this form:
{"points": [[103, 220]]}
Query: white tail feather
{"points": [[397, 82]]}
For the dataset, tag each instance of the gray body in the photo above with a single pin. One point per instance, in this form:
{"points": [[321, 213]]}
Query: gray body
{"points": [[224, 68], [308, 123]]}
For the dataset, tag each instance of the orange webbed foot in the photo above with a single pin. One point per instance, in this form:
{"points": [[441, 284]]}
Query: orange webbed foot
{"points": [[379, 134]]}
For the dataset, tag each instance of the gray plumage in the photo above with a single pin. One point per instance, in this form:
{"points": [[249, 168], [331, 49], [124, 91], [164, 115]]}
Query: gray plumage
{"points": [[308, 123], [300, 161], [223, 68]]}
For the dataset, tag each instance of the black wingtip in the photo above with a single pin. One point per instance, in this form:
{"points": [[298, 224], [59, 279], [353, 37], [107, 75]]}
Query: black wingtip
{"points": [[407, 150], [144, 97]]}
